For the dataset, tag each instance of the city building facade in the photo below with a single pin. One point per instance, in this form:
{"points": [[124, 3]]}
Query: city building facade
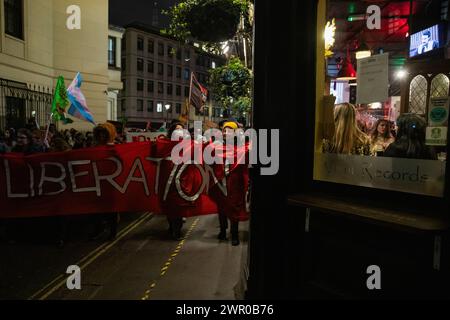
{"points": [[37, 46], [156, 72], [115, 65]]}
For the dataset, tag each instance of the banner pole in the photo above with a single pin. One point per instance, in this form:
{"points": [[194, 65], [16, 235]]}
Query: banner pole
{"points": [[48, 130], [190, 98]]}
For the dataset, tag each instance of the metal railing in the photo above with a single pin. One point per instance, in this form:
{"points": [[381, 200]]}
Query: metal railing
{"points": [[21, 103]]}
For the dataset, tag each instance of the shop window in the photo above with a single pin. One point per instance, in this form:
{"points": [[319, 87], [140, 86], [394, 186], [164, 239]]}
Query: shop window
{"points": [[418, 95], [439, 86], [366, 135]]}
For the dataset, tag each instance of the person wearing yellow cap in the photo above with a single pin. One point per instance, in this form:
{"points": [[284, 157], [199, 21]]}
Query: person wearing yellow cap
{"points": [[231, 125], [228, 129]]}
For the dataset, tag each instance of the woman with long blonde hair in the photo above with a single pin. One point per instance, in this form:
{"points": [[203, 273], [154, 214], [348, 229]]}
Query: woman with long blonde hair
{"points": [[348, 138]]}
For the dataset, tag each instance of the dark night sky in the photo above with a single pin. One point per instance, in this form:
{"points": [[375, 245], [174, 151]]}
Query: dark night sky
{"points": [[122, 12]]}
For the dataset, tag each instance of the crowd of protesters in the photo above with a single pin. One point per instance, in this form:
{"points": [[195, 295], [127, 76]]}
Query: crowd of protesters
{"points": [[32, 140]]}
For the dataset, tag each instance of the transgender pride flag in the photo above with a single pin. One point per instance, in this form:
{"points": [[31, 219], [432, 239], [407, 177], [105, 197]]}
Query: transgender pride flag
{"points": [[78, 106]]}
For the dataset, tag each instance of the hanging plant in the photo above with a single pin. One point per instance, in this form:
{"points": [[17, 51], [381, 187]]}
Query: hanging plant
{"points": [[206, 20], [231, 86]]}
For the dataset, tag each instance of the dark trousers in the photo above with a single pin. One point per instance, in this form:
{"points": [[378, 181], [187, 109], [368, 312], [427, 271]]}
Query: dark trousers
{"points": [[224, 225], [175, 225], [109, 219]]}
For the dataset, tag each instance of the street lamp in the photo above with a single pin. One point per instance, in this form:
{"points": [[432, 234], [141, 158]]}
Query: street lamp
{"points": [[167, 106]]}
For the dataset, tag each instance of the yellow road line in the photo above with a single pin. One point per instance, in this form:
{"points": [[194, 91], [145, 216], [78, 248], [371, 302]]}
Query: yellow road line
{"points": [[50, 288], [170, 260]]}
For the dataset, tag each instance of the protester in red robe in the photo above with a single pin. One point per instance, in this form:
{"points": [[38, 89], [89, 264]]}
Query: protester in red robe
{"points": [[231, 198]]}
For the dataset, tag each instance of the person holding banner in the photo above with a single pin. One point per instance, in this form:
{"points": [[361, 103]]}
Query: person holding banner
{"points": [[231, 205], [24, 140], [104, 135], [175, 133]]}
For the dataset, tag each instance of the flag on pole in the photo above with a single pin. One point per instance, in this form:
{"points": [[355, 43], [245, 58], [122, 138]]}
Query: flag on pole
{"points": [[78, 107], [199, 94], [60, 102]]}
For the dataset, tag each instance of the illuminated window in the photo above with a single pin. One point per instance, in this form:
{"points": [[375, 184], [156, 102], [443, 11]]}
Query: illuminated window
{"points": [[418, 95], [369, 133], [439, 86], [112, 51]]}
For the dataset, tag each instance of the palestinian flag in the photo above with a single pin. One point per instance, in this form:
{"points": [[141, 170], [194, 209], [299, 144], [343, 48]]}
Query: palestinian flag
{"points": [[60, 102]]}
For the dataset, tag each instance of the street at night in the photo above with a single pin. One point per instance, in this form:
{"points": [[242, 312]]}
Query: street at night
{"points": [[129, 268], [224, 157]]}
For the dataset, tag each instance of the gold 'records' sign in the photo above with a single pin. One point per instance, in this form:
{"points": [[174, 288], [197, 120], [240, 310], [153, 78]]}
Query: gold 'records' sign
{"points": [[425, 177]]}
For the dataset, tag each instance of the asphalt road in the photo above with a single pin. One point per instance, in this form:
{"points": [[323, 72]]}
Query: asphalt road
{"points": [[143, 263]]}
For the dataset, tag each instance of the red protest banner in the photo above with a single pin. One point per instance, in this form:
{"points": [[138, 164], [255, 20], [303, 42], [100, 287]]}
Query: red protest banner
{"points": [[123, 178]]}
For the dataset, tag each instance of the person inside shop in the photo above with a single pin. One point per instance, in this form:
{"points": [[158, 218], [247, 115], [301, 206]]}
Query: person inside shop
{"points": [[348, 137], [381, 137], [393, 128], [410, 141]]}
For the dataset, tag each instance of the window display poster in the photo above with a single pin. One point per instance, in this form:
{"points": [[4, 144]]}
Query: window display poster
{"points": [[373, 79], [438, 112], [436, 136]]}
